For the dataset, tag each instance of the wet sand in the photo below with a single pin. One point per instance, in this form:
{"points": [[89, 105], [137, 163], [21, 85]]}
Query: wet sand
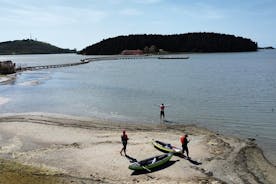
{"points": [[3, 100], [5, 79], [50, 148]]}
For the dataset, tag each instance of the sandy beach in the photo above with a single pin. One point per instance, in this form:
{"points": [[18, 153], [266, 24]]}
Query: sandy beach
{"points": [[51, 148]]}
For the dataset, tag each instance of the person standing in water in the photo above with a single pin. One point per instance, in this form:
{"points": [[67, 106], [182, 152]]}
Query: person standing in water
{"points": [[162, 111], [124, 140], [184, 142]]}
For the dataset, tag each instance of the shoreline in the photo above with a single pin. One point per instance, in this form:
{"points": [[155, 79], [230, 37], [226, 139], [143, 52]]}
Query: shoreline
{"points": [[90, 58], [5, 79], [3, 100], [83, 149]]}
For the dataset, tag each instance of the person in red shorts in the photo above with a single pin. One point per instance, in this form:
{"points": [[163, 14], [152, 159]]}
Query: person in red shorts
{"points": [[162, 111]]}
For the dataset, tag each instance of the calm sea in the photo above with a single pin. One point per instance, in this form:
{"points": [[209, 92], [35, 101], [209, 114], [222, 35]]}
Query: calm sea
{"points": [[233, 93]]}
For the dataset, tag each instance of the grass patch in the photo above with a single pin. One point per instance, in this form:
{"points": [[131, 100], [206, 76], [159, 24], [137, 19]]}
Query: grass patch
{"points": [[14, 173]]}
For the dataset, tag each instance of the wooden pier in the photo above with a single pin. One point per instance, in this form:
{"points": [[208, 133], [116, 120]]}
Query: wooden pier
{"points": [[19, 69], [83, 61]]}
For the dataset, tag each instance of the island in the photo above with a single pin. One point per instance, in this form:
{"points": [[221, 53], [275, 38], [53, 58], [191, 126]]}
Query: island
{"points": [[176, 43], [29, 46]]}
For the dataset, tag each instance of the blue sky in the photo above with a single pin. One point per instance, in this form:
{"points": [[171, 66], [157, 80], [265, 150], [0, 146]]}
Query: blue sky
{"points": [[77, 24]]}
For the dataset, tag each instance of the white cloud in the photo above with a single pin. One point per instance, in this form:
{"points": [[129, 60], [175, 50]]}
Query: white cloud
{"points": [[131, 12], [53, 15], [116, 2], [210, 12], [148, 1], [198, 11]]}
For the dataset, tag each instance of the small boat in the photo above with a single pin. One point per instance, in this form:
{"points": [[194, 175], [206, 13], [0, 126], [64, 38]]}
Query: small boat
{"points": [[166, 147], [151, 163]]}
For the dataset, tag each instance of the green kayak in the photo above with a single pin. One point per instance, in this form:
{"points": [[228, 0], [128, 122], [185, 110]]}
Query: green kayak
{"points": [[166, 147], [152, 162]]}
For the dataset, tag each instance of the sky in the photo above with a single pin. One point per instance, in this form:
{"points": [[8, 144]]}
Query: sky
{"points": [[78, 24]]}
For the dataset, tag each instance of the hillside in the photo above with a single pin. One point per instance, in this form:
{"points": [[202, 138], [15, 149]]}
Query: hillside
{"points": [[190, 42], [29, 46]]}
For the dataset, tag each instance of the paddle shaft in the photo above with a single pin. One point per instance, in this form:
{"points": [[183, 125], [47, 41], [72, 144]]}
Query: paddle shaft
{"points": [[146, 169]]}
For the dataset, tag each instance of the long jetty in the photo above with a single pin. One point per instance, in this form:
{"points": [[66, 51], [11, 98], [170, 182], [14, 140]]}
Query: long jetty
{"points": [[19, 69], [83, 61]]}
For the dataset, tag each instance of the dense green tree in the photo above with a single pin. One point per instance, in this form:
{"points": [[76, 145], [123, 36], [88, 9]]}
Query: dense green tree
{"points": [[153, 49], [146, 50], [30, 47]]}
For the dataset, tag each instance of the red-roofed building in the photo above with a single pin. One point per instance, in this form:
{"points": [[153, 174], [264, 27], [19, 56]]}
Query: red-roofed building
{"points": [[132, 52]]}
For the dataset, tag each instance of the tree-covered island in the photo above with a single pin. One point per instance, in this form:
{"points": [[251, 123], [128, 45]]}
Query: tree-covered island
{"points": [[29, 46], [176, 43]]}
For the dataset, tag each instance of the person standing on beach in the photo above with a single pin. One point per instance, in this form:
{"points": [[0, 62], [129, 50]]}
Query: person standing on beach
{"points": [[124, 140], [184, 142]]}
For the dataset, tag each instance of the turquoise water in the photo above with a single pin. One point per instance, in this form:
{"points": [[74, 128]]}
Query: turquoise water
{"points": [[233, 93]]}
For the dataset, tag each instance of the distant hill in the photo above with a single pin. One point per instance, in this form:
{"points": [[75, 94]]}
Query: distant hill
{"points": [[190, 42], [29, 46]]}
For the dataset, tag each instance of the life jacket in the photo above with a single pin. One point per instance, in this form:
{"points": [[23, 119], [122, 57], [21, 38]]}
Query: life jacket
{"points": [[183, 140]]}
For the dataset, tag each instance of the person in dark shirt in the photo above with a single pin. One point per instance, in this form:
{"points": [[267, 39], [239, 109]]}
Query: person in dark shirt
{"points": [[184, 142], [124, 140]]}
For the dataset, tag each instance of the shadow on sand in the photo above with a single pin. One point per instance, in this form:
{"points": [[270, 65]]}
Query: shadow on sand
{"points": [[133, 160], [189, 159], [168, 164], [164, 166], [194, 162], [169, 121], [182, 156]]}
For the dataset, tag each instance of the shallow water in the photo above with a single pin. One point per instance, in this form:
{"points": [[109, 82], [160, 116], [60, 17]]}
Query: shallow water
{"points": [[233, 93]]}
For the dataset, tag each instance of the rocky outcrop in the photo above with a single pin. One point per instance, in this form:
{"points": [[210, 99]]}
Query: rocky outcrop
{"points": [[7, 67]]}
